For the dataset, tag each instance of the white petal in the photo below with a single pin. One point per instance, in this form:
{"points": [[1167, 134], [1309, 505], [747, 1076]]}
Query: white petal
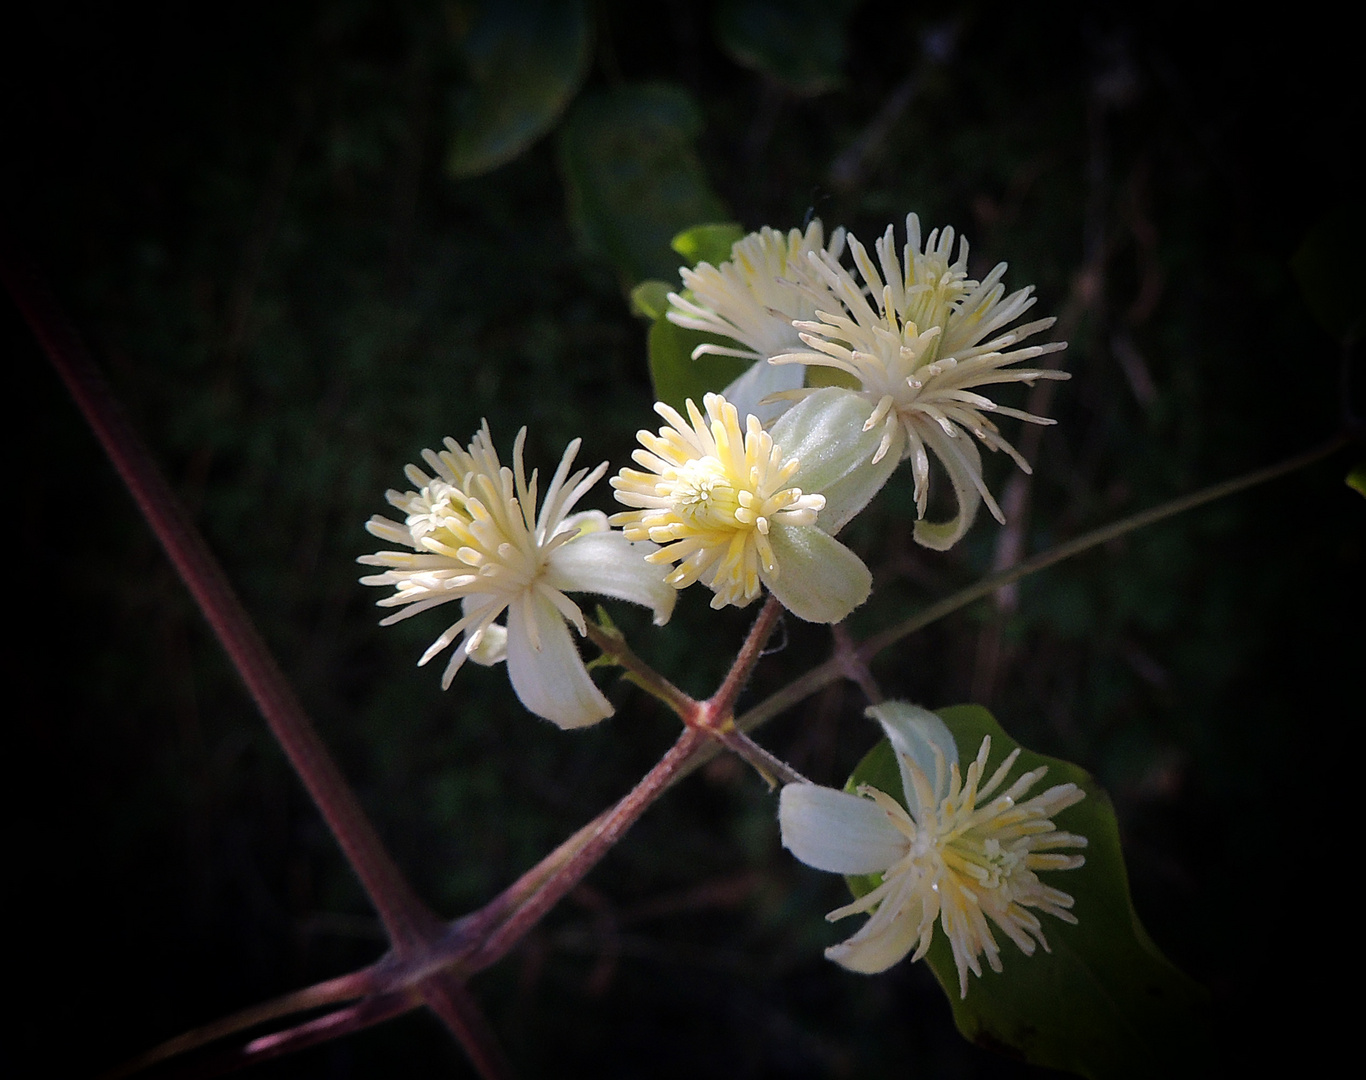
{"points": [[963, 464], [824, 431], [608, 564], [819, 579], [551, 681], [838, 832], [886, 938], [746, 392], [493, 643], [492, 648], [917, 733]]}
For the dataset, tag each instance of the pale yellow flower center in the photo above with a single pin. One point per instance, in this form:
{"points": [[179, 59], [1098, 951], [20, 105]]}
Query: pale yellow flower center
{"points": [[703, 495], [710, 498], [476, 538]]}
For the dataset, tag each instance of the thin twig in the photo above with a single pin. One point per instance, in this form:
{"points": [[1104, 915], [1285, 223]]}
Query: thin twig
{"points": [[345, 988], [607, 831], [446, 996], [721, 704], [852, 664], [825, 674], [614, 646], [774, 770], [357, 1017], [988, 585]]}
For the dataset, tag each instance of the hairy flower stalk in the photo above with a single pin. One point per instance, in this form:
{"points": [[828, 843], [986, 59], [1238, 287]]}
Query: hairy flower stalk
{"points": [[730, 508], [957, 851], [753, 298], [475, 536], [919, 336]]}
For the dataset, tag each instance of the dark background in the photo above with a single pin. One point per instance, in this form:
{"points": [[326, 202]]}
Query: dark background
{"points": [[244, 209]]}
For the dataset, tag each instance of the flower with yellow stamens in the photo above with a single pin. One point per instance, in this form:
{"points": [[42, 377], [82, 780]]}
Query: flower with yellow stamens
{"points": [[731, 508], [753, 298], [958, 851], [475, 536], [920, 337]]}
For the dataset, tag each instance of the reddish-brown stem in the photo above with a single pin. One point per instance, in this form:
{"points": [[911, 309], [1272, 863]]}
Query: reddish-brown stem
{"points": [[607, 830], [721, 705], [363, 1014], [715, 716], [405, 918], [446, 996], [647, 678], [853, 665], [345, 988], [774, 770]]}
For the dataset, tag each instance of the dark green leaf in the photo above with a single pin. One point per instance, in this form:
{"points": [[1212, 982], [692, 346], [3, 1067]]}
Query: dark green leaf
{"points": [[800, 43], [524, 60], [708, 243], [634, 177], [677, 376], [1104, 1002]]}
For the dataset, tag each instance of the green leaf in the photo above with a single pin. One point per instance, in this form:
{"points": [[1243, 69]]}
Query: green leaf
{"points": [[1104, 1002], [677, 376], [651, 298], [524, 61], [1356, 479], [800, 43], [708, 243], [634, 178], [1331, 274]]}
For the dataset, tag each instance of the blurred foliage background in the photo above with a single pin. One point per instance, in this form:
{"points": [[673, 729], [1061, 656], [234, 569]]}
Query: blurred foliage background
{"points": [[308, 240]]}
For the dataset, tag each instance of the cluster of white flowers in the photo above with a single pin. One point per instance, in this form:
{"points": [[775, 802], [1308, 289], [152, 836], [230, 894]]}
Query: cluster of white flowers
{"points": [[918, 338], [749, 496], [746, 494]]}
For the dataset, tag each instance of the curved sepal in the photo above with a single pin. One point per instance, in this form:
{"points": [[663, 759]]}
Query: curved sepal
{"points": [[821, 580], [824, 431]]}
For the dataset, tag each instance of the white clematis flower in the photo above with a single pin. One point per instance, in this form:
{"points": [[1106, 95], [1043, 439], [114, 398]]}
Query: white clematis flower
{"points": [[744, 509], [475, 537], [952, 852], [920, 337], [753, 298]]}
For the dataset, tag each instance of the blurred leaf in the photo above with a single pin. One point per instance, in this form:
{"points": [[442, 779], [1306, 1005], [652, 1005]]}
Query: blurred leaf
{"points": [[708, 243], [634, 177], [651, 298], [1331, 274], [800, 43], [824, 376], [1356, 478], [1104, 1002], [677, 376], [525, 61]]}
